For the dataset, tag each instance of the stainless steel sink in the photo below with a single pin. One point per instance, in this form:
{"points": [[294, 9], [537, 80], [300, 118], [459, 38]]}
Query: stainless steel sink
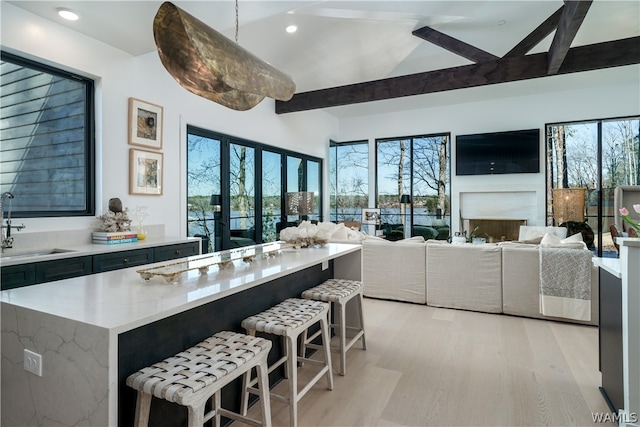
{"points": [[35, 253]]}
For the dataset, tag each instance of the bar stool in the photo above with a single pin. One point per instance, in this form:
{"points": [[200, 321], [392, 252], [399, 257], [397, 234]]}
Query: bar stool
{"points": [[290, 319], [193, 376], [340, 292]]}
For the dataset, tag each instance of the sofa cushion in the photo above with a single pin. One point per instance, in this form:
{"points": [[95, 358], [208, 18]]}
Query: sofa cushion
{"points": [[521, 283], [464, 276], [394, 270]]}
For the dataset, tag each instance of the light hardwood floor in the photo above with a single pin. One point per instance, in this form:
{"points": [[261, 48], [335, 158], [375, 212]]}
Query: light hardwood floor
{"points": [[427, 366]]}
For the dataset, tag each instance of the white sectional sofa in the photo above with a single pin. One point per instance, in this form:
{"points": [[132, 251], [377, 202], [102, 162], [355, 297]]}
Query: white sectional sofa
{"points": [[492, 278]]}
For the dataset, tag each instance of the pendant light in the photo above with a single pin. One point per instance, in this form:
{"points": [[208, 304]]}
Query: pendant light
{"points": [[208, 64]]}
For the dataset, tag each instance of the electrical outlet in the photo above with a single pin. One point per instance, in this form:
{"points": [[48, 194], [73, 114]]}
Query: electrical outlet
{"points": [[33, 362], [325, 265]]}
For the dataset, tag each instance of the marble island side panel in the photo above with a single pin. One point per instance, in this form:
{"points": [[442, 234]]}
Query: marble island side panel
{"points": [[74, 387]]}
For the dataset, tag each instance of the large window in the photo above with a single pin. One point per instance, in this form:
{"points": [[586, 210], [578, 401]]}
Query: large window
{"points": [[596, 156], [47, 139], [235, 192], [349, 180], [412, 186]]}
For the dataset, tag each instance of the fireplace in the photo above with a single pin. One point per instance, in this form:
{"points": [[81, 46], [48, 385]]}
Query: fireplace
{"points": [[499, 214], [495, 230]]}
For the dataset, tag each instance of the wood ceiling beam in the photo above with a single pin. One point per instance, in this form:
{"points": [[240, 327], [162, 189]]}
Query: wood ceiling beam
{"points": [[536, 36], [454, 45], [614, 53], [572, 16]]}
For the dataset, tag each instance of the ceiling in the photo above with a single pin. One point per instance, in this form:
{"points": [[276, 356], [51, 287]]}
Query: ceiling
{"points": [[345, 42]]}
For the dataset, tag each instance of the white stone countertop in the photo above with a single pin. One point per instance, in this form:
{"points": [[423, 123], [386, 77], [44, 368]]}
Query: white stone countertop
{"points": [[612, 265], [16, 256], [120, 300]]}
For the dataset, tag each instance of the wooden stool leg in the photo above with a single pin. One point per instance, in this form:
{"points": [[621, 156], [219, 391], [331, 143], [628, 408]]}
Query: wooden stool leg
{"points": [[196, 416], [244, 399], [360, 310], [341, 313], [143, 406], [303, 346], [265, 398], [292, 360], [326, 341], [217, 404]]}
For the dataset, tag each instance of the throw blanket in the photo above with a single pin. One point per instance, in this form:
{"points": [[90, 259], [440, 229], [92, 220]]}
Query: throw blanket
{"points": [[565, 283]]}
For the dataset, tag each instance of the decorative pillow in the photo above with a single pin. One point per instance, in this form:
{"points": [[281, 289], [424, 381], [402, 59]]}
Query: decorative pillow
{"points": [[414, 239], [550, 239], [535, 241], [574, 238], [573, 242], [530, 232], [340, 233]]}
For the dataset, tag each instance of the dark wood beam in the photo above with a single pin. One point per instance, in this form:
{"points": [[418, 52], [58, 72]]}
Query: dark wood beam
{"points": [[453, 45], [570, 21], [614, 53], [536, 36]]}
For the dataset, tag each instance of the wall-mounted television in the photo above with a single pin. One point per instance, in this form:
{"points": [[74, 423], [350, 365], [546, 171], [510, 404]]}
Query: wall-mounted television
{"points": [[498, 153]]}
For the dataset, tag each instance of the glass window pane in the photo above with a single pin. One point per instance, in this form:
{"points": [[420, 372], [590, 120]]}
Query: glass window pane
{"points": [[431, 185], [271, 194], [393, 180], [203, 182], [242, 192], [313, 186], [295, 181], [349, 181]]}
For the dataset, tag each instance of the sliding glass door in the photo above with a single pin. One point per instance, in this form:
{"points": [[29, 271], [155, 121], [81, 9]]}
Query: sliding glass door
{"points": [[236, 189]]}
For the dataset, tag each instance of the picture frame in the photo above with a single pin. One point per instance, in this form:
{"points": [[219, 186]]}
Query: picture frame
{"points": [[146, 172], [371, 216], [145, 124]]}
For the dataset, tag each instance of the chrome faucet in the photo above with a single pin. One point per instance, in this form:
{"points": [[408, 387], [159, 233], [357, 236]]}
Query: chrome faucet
{"points": [[7, 238]]}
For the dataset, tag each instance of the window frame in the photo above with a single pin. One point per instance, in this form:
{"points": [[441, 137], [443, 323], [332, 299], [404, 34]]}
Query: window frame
{"points": [[89, 138]]}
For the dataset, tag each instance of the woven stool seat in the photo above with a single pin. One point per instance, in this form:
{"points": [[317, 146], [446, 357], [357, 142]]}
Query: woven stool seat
{"points": [[290, 319], [192, 376], [333, 290], [282, 318], [339, 292]]}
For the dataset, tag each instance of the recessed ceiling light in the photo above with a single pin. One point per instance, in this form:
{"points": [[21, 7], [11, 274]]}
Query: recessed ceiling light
{"points": [[67, 14], [291, 29]]}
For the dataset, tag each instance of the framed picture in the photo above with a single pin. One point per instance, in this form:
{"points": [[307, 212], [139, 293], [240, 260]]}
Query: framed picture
{"points": [[145, 124], [145, 172], [371, 216]]}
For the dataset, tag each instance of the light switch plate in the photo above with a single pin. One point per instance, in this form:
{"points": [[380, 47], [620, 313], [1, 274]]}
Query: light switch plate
{"points": [[33, 362]]}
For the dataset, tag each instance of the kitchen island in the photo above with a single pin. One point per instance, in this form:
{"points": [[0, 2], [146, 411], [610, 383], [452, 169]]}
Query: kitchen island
{"points": [[93, 331]]}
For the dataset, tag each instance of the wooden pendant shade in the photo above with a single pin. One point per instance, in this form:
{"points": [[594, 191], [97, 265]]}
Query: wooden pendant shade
{"points": [[210, 65]]}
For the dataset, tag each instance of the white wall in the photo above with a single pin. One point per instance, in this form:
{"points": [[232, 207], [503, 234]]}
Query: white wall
{"points": [[513, 106], [120, 76]]}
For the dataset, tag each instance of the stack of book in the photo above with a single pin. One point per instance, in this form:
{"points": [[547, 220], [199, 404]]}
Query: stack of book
{"points": [[109, 238]]}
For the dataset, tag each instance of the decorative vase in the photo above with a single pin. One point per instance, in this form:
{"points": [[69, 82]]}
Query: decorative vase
{"points": [[142, 232]]}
